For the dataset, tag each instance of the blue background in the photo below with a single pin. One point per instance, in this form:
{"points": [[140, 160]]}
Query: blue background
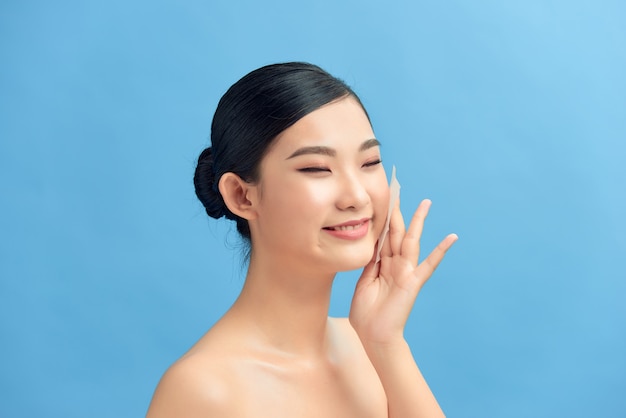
{"points": [[510, 116]]}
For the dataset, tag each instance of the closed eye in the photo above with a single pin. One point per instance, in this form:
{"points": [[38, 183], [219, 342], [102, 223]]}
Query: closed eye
{"points": [[313, 169], [372, 163]]}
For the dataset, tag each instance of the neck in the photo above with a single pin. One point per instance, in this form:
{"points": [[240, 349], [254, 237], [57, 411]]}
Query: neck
{"points": [[285, 309]]}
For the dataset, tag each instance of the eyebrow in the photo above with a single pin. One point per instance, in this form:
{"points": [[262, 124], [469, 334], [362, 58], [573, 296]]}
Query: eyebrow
{"points": [[321, 150]]}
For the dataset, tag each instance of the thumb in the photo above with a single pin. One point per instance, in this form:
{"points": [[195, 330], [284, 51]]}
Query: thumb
{"points": [[370, 273]]}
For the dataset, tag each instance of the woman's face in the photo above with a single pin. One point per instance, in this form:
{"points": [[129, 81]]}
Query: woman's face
{"points": [[323, 193]]}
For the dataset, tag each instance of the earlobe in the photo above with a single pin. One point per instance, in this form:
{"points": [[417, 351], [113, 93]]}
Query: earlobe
{"points": [[238, 195]]}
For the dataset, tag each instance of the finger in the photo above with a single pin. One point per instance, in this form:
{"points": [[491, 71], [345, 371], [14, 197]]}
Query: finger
{"points": [[369, 274], [396, 229], [411, 243], [386, 250], [428, 266]]}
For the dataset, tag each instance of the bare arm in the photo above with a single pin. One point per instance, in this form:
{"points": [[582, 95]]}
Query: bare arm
{"points": [[382, 302], [408, 394]]}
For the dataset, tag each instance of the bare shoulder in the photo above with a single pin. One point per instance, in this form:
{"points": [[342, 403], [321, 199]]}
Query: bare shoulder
{"points": [[194, 386], [349, 344], [357, 366], [223, 377], [346, 333]]}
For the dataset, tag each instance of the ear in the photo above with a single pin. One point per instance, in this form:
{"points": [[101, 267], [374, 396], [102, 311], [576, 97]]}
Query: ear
{"points": [[239, 195]]}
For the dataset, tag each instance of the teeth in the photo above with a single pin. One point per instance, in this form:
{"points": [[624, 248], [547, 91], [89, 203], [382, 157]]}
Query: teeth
{"points": [[347, 228]]}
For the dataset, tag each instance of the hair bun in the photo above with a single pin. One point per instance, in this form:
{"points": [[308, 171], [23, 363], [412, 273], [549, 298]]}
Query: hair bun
{"points": [[250, 116], [206, 189]]}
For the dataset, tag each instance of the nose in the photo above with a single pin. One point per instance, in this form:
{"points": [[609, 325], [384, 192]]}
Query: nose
{"points": [[352, 193]]}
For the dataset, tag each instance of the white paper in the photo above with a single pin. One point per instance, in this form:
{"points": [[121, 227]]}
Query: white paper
{"points": [[394, 194]]}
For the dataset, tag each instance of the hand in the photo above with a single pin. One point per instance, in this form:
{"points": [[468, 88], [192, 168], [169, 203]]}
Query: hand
{"points": [[386, 291]]}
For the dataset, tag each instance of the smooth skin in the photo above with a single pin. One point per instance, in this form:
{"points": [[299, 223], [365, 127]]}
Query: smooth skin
{"points": [[382, 302], [276, 353]]}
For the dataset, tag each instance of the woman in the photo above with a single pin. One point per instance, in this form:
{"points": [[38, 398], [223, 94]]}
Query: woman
{"points": [[295, 163]]}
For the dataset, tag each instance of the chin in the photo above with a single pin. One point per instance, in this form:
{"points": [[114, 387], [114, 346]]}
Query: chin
{"points": [[353, 260]]}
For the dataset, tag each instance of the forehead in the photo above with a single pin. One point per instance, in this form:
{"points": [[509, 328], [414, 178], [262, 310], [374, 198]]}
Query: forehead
{"points": [[341, 125]]}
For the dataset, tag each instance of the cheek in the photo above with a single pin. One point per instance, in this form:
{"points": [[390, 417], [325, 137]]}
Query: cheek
{"points": [[298, 198], [380, 200]]}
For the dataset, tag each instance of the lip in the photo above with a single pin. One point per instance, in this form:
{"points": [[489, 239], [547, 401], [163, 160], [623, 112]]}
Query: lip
{"points": [[351, 230]]}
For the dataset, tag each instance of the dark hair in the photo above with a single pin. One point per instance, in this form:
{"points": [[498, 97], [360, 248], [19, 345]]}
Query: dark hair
{"points": [[249, 116]]}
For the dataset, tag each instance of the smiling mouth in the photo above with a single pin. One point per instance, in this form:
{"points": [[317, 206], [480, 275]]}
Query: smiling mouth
{"points": [[352, 230], [345, 227]]}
